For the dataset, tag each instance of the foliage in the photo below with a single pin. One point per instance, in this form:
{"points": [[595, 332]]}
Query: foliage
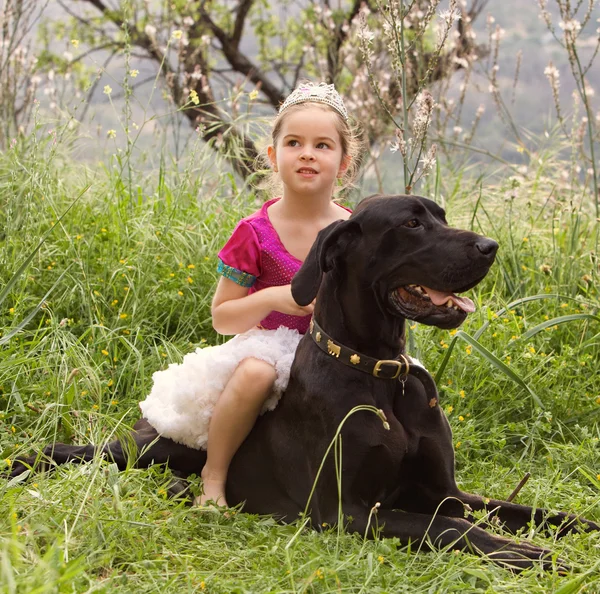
{"points": [[94, 299], [218, 60], [18, 85], [125, 308]]}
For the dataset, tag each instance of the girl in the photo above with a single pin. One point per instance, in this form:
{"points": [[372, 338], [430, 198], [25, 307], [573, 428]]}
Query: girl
{"points": [[213, 398]]}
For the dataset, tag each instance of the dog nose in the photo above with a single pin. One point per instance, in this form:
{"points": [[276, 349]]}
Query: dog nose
{"points": [[487, 247]]}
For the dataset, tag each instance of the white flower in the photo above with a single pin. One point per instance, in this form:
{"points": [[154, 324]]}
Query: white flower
{"points": [[150, 30], [571, 25], [366, 35], [449, 17]]}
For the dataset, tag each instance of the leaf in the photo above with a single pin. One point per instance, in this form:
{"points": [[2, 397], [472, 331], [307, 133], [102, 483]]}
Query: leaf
{"points": [[491, 358], [32, 313], [590, 477], [30, 257], [575, 584], [556, 321], [478, 573], [513, 304]]}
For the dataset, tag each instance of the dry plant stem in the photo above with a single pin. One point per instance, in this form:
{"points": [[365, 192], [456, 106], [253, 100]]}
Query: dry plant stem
{"points": [[407, 188], [568, 15], [519, 487], [590, 116]]}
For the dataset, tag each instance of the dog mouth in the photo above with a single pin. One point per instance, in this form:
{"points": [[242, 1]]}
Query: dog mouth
{"points": [[444, 309]]}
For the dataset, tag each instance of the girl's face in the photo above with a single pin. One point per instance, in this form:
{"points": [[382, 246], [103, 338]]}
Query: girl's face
{"points": [[308, 154]]}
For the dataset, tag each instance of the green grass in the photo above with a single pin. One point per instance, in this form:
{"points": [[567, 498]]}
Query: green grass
{"points": [[134, 268]]}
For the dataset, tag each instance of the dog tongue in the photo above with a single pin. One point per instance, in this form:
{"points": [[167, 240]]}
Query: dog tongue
{"points": [[440, 298]]}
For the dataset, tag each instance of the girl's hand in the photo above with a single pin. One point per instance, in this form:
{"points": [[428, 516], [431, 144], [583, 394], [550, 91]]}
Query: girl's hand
{"points": [[283, 302]]}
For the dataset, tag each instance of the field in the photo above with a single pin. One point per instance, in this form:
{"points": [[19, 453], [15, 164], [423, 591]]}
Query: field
{"points": [[121, 286]]}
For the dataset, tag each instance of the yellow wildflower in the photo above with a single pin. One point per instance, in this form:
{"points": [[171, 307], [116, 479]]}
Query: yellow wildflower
{"points": [[107, 90], [75, 43]]}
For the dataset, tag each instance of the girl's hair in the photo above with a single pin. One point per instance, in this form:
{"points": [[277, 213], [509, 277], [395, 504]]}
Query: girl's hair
{"points": [[351, 138]]}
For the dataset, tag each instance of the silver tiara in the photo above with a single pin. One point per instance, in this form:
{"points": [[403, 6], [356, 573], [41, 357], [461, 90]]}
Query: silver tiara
{"points": [[321, 93]]}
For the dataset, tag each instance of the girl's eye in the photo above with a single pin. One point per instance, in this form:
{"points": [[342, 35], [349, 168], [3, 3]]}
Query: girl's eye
{"points": [[292, 143], [322, 145], [412, 224]]}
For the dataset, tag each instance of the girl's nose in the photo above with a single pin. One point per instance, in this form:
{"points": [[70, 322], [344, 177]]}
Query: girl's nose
{"points": [[307, 155]]}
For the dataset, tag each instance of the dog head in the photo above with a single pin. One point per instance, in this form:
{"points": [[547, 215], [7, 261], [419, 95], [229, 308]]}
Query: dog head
{"points": [[399, 252]]}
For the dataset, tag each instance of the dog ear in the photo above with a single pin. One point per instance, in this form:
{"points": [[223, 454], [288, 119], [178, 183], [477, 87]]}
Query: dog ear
{"points": [[331, 242]]}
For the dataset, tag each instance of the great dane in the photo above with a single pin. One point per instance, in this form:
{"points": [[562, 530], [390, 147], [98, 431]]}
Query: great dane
{"points": [[395, 259]]}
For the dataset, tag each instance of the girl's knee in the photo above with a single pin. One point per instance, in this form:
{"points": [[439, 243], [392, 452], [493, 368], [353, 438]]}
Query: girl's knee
{"points": [[256, 372]]}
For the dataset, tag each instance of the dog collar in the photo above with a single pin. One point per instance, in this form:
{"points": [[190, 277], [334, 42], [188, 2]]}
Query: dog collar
{"points": [[381, 368]]}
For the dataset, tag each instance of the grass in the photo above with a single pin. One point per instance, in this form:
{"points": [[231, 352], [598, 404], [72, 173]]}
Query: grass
{"points": [[133, 270]]}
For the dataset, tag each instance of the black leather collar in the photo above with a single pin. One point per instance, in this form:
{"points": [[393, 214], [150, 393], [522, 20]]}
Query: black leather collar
{"points": [[381, 368]]}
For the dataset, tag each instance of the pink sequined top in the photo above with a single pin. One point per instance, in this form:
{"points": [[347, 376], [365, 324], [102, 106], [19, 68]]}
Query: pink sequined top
{"points": [[255, 257]]}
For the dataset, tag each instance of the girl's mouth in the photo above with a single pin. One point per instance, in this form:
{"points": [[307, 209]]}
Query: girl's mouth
{"points": [[307, 171]]}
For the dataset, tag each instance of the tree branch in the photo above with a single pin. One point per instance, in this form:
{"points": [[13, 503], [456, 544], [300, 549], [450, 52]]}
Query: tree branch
{"points": [[240, 21], [241, 63]]}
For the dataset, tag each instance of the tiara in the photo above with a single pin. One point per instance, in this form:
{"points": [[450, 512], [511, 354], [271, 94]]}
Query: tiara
{"points": [[321, 93]]}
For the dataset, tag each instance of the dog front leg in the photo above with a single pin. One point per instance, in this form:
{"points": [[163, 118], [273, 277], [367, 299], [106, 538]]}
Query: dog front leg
{"points": [[515, 516], [436, 532]]}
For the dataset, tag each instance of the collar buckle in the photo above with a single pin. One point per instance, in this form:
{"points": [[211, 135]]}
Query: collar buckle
{"points": [[378, 367]]}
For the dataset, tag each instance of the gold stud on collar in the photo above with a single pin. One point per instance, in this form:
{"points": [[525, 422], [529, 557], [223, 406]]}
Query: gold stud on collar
{"points": [[311, 326], [318, 337], [355, 359], [333, 349]]}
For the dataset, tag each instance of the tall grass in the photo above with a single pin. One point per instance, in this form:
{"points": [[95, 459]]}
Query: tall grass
{"points": [[138, 270], [106, 275]]}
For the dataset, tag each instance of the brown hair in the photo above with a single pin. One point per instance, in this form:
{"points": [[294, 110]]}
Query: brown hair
{"points": [[351, 139]]}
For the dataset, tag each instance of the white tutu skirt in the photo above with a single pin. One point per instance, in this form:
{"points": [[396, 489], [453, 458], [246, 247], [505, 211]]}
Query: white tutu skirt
{"points": [[184, 395]]}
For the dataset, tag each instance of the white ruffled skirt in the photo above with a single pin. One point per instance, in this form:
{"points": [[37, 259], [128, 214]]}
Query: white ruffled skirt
{"points": [[184, 395]]}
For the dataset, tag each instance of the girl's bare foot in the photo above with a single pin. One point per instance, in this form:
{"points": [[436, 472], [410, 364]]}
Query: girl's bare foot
{"points": [[212, 491]]}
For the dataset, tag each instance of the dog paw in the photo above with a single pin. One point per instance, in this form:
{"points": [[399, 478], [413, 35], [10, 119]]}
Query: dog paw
{"points": [[520, 556]]}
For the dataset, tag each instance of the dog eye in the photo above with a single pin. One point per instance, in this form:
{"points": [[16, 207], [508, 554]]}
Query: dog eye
{"points": [[412, 224]]}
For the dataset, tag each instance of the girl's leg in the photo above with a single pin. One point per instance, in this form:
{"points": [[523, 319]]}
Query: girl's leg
{"points": [[234, 416]]}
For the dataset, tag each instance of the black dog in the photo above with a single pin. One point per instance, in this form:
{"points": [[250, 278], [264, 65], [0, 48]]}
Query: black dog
{"points": [[394, 259]]}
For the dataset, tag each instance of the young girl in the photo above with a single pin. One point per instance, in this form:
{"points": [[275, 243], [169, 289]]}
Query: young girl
{"points": [[213, 398]]}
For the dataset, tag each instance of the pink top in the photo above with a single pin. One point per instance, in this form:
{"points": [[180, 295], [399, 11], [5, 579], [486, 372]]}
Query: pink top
{"points": [[255, 257]]}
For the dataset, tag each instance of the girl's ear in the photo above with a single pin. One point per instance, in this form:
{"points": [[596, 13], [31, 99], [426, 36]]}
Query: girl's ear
{"points": [[344, 165], [272, 156]]}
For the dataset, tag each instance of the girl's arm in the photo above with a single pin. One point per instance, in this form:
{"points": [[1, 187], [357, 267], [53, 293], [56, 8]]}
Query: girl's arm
{"points": [[234, 311]]}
